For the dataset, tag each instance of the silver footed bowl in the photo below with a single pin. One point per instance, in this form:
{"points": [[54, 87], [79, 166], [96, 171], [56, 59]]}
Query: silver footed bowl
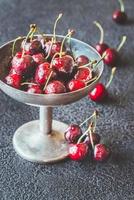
{"points": [[43, 140]]}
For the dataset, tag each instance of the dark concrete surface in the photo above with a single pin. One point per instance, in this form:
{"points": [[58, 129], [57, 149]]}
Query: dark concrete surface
{"points": [[88, 180]]}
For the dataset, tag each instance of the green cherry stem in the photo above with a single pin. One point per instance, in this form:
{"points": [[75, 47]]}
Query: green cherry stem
{"points": [[90, 135], [121, 5], [52, 41], [91, 63], [28, 83], [55, 25], [111, 77], [14, 43], [124, 38], [90, 117], [82, 136], [101, 31]]}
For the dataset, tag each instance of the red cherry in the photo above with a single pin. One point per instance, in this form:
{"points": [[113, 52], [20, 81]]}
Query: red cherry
{"points": [[63, 64], [22, 64], [95, 138], [55, 87], [51, 49], [119, 16], [34, 89], [78, 151], [111, 56], [73, 133], [101, 152], [76, 85], [98, 93], [39, 58], [31, 47], [101, 47], [42, 73], [14, 80], [82, 60], [84, 74]]}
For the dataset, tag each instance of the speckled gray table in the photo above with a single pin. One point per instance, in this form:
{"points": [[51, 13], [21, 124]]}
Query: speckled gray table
{"points": [[113, 180]]}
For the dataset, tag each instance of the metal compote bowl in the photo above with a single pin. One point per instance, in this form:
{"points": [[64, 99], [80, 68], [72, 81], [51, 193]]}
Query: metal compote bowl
{"points": [[43, 140]]}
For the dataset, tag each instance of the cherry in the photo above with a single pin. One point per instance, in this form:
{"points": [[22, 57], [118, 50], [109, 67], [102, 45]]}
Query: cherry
{"points": [[100, 91], [84, 74], [119, 16], [42, 73], [23, 64], [31, 47], [73, 133], [101, 152], [38, 58], [82, 60], [111, 56], [14, 80], [55, 87], [101, 46], [34, 89], [63, 64], [78, 151], [96, 139], [75, 85]]}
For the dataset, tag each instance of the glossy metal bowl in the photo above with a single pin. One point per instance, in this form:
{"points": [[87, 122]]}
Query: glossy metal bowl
{"points": [[43, 140]]}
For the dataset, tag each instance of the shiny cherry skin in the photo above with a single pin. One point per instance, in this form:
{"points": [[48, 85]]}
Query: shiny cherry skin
{"points": [[75, 85], [82, 60], [31, 47], [55, 87], [73, 133], [111, 56], [42, 72], [39, 58], [63, 64], [14, 80], [55, 47], [34, 89], [78, 151], [83, 74], [101, 152], [119, 17], [96, 139], [22, 64], [98, 93], [101, 47]]}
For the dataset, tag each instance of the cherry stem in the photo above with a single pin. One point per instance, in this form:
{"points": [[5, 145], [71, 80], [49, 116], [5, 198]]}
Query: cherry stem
{"points": [[63, 41], [91, 80], [55, 25], [51, 71], [90, 135], [14, 43], [81, 137], [32, 28], [32, 34], [103, 56], [101, 31], [49, 52], [86, 65], [94, 113], [111, 77], [28, 83], [122, 5], [124, 38]]}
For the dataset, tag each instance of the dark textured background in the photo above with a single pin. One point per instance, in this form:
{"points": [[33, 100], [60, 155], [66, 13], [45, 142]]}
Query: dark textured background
{"points": [[113, 180]]}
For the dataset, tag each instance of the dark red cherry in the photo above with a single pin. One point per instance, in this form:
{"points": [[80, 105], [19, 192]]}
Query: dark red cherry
{"points": [[119, 17], [63, 64], [14, 80], [78, 151], [75, 85], [111, 56], [31, 47], [82, 60], [84, 74], [101, 47], [52, 48], [39, 58], [55, 87], [34, 89], [23, 64], [42, 73], [101, 152], [95, 138], [98, 93], [73, 133]]}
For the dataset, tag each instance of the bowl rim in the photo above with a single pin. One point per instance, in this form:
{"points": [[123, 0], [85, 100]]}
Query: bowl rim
{"points": [[60, 94]]}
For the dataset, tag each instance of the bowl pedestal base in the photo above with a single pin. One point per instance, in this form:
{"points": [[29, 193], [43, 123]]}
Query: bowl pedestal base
{"points": [[41, 140]]}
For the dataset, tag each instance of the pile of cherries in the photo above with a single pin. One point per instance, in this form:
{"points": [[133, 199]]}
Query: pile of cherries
{"points": [[81, 144], [47, 66]]}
